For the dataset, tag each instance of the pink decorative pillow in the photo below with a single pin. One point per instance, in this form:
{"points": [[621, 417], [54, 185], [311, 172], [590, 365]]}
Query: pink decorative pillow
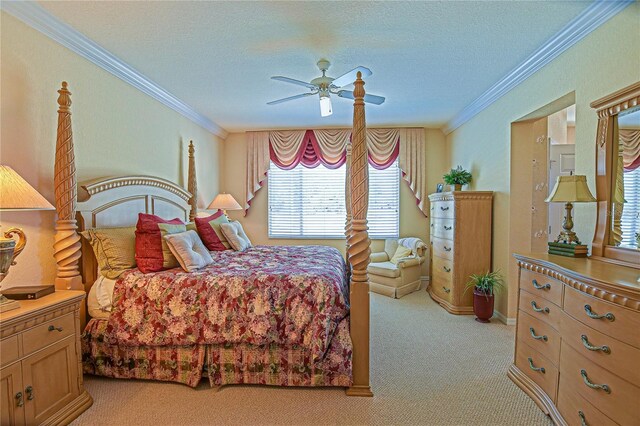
{"points": [[207, 234], [149, 242]]}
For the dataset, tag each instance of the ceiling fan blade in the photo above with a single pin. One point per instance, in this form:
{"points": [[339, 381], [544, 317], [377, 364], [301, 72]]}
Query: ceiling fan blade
{"points": [[351, 76], [293, 81], [371, 99], [290, 98]]}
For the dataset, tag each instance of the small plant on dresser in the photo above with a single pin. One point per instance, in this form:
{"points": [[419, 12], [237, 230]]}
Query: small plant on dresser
{"points": [[457, 177], [485, 286]]}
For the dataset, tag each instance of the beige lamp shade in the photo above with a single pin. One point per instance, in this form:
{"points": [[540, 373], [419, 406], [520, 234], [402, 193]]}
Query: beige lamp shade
{"points": [[17, 194], [570, 189], [224, 202]]}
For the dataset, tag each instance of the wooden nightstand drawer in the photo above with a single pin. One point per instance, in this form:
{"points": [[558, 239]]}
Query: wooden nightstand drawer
{"points": [[47, 333], [542, 286], [9, 350], [540, 336], [540, 308]]}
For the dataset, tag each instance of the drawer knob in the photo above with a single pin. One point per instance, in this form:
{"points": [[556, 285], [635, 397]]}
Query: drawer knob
{"points": [[19, 399], [587, 382], [533, 334], [535, 307], [447, 248], [534, 368], [603, 348], [446, 290], [537, 286], [591, 314], [29, 391], [583, 421], [447, 228], [51, 328], [444, 209], [446, 269]]}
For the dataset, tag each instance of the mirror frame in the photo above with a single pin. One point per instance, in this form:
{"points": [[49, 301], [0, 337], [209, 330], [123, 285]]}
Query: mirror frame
{"points": [[608, 109]]}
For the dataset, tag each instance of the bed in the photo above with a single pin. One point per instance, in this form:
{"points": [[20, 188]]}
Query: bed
{"points": [[312, 331]]}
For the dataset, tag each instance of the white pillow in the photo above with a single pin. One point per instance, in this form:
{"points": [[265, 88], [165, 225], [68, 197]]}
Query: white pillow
{"points": [[189, 249], [235, 235]]}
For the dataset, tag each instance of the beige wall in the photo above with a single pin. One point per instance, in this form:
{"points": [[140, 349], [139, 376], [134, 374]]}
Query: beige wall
{"points": [[412, 221], [604, 61], [117, 130]]}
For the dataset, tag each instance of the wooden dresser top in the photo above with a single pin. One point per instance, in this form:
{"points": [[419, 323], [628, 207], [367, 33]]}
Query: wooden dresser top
{"points": [[43, 304]]}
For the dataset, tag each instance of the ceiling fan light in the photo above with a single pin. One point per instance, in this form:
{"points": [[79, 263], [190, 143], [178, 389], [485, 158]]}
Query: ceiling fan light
{"points": [[325, 106]]}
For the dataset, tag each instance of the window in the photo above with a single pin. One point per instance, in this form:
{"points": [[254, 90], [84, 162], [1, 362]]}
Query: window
{"points": [[309, 203], [630, 220]]}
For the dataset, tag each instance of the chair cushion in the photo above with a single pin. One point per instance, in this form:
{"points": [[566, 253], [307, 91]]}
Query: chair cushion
{"points": [[386, 269]]}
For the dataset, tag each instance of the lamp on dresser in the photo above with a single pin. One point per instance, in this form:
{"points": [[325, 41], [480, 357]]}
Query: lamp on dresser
{"points": [[224, 202], [15, 195]]}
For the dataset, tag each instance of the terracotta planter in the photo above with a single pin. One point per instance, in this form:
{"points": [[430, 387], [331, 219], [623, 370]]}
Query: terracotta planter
{"points": [[482, 306]]}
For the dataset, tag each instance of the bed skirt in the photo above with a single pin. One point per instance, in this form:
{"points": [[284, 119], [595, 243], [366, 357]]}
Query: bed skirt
{"points": [[224, 364]]}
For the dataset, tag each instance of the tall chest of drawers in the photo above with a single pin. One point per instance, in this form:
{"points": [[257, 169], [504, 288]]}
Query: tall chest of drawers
{"points": [[460, 232], [578, 339]]}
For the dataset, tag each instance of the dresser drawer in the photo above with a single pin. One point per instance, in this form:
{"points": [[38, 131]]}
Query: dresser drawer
{"points": [[47, 333], [9, 350], [441, 288], [540, 336], [442, 248], [619, 403], [442, 228], [541, 285], [619, 358], [576, 410], [540, 308], [613, 320], [442, 267], [530, 361], [442, 209]]}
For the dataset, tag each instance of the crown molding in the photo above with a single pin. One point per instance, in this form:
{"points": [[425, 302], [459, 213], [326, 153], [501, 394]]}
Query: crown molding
{"points": [[39, 19], [591, 18]]}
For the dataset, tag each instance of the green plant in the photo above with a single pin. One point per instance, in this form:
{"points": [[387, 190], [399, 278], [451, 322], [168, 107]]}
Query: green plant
{"points": [[489, 283], [457, 176]]}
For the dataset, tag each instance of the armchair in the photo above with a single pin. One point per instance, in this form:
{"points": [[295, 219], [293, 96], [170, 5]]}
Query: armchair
{"points": [[401, 278]]}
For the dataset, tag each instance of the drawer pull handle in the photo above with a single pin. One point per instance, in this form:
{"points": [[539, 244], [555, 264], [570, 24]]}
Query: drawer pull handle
{"points": [[535, 308], [537, 286], [591, 314], [447, 248], [583, 421], [534, 368], [19, 399], [533, 334], [447, 228], [51, 328], [29, 391], [444, 209], [587, 382], [603, 348], [446, 290], [446, 269]]}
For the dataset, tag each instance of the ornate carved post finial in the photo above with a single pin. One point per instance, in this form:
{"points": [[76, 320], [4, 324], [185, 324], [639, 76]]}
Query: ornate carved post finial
{"points": [[192, 185], [66, 246]]}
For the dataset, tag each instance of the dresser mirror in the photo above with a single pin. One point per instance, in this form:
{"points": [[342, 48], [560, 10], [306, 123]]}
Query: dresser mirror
{"points": [[617, 236]]}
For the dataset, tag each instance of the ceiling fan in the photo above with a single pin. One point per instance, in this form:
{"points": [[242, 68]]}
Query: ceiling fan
{"points": [[326, 86]]}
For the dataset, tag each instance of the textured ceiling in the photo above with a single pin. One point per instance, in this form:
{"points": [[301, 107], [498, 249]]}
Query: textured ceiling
{"points": [[429, 59]]}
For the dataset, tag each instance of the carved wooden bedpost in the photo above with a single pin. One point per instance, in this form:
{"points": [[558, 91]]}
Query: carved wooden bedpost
{"points": [[347, 203], [66, 247], [192, 185], [359, 247]]}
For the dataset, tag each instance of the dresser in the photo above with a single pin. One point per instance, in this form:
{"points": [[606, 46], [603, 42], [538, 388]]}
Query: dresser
{"points": [[578, 339], [41, 361], [460, 230]]}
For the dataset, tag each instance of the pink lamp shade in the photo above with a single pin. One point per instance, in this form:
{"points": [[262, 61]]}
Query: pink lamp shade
{"points": [[224, 201], [16, 194]]}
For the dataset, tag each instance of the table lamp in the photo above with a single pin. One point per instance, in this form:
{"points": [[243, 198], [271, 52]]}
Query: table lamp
{"points": [[224, 202], [569, 189], [15, 195]]}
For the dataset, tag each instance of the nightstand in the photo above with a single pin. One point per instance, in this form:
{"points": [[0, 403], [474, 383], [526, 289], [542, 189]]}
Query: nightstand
{"points": [[41, 361]]}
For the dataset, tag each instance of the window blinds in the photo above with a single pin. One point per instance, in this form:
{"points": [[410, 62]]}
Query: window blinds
{"points": [[630, 220], [309, 203]]}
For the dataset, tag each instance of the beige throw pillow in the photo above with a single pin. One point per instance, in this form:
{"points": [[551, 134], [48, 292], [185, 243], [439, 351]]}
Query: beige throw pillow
{"points": [[401, 252], [189, 250], [235, 235], [114, 248]]}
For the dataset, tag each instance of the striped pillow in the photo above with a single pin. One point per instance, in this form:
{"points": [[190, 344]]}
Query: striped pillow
{"points": [[114, 248]]}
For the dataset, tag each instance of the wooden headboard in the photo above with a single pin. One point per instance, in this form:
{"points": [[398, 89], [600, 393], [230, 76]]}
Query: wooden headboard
{"points": [[116, 202]]}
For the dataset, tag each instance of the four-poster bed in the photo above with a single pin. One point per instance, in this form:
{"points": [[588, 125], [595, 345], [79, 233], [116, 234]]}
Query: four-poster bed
{"points": [[115, 202]]}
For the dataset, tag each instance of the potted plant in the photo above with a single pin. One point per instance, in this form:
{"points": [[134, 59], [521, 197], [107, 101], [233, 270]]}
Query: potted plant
{"points": [[485, 286], [457, 177]]}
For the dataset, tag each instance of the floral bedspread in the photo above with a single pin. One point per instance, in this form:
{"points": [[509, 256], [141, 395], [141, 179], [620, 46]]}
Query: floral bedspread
{"points": [[287, 295]]}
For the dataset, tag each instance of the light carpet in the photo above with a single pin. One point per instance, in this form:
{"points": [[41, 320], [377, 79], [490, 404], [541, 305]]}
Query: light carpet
{"points": [[427, 368]]}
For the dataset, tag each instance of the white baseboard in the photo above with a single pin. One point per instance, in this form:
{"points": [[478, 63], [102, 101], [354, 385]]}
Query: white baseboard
{"points": [[500, 317]]}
